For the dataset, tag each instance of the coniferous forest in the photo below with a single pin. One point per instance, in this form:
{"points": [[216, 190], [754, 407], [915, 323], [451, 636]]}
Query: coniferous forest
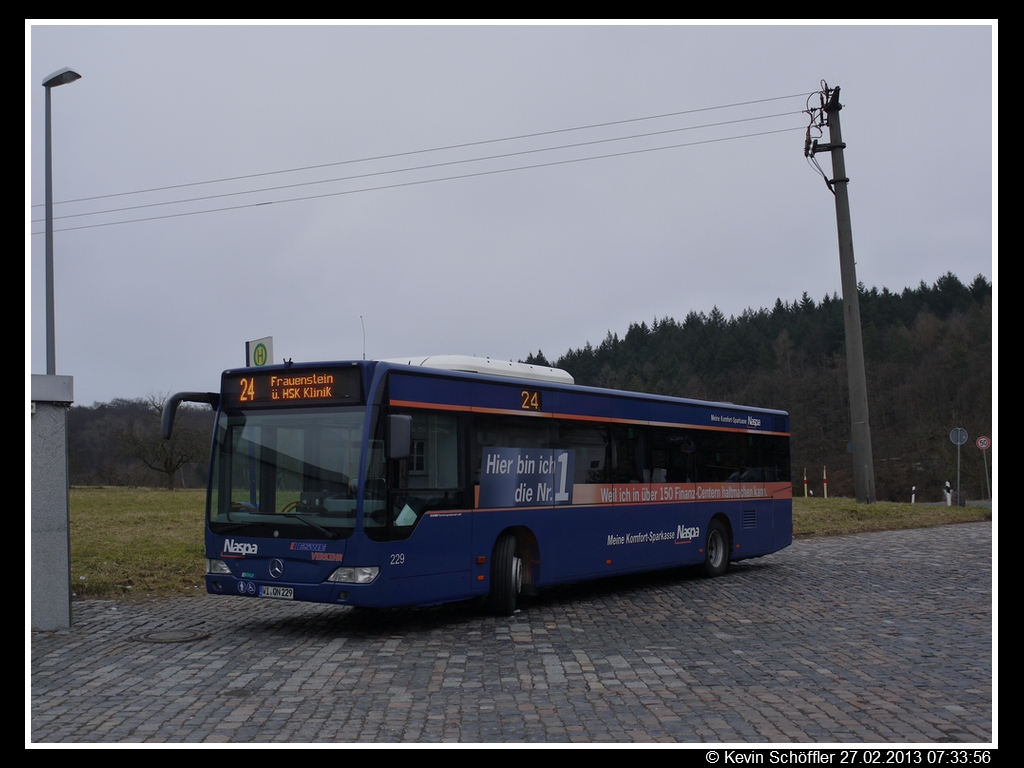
{"points": [[928, 354]]}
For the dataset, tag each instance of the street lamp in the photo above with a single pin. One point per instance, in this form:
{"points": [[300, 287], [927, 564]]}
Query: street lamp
{"points": [[59, 77]]}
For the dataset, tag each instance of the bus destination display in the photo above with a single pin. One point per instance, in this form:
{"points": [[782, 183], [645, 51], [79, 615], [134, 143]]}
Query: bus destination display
{"points": [[300, 387]]}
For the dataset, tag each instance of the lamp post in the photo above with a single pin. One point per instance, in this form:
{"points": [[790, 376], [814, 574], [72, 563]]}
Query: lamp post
{"points": [[59, 77]]}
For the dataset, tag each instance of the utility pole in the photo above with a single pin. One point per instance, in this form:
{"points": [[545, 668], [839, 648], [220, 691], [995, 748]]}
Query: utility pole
{"points": [[863, 463]]}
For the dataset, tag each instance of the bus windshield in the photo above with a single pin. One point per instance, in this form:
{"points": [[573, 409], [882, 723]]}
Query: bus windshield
{"points": [[290, 472]]}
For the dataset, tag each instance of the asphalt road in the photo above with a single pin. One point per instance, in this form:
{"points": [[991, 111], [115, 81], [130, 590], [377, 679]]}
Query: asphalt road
{"points": [[882, 638]]}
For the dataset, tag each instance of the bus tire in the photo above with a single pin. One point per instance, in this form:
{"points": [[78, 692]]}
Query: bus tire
{"points": [[716, 549], [506, 577]]}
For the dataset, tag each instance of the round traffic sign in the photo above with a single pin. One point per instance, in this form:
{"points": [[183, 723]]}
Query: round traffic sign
{"points": [[983, 443], [958, 436], [259, 355]]}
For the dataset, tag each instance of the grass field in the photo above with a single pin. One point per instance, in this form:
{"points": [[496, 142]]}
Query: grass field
{"points": [[148, 542], [141, 542]]}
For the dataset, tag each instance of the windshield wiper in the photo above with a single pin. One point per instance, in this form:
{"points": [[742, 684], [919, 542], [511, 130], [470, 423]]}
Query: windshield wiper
{"points": [[232, 527], [310, 523]]}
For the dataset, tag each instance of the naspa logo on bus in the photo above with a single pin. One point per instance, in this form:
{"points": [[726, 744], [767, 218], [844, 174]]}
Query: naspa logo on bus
{"points": [[232, 547]]}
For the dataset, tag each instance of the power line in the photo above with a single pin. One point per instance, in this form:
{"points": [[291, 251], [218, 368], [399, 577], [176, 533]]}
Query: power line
{"points": [[420, 167], [432, 149], [429, 181]]}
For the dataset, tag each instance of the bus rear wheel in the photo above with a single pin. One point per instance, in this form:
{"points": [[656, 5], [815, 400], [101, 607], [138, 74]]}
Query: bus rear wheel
{"points": [[506, 577], [716, 549]]}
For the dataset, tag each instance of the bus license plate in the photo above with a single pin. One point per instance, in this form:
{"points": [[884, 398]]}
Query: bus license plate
{"points": [[282, 593]]}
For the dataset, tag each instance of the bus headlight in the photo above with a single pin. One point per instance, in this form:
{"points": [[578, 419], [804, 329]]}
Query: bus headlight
{"points": [[217, 566], [363, 575]]}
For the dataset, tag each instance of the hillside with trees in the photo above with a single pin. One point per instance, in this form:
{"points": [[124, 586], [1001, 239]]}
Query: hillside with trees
{"points": [[928, 353]]}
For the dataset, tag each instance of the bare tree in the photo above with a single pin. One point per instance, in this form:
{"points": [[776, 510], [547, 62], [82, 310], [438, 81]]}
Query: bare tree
{"points": [[142, 440]]}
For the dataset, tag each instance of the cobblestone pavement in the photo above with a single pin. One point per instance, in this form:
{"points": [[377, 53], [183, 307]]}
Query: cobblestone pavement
{"points": [[873, 638]]}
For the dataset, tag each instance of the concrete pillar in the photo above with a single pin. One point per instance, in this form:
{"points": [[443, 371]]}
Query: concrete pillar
{"points": [[51, 543]]}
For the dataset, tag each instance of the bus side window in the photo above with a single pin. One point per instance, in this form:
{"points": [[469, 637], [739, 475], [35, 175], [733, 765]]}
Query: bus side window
{"points": [[428, 478], [672, 453], [507, 432], [629, 460], [589, 444]]}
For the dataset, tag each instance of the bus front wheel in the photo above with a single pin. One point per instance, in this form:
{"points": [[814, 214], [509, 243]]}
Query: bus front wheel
{"points": [[716, 549], [506, 577]]}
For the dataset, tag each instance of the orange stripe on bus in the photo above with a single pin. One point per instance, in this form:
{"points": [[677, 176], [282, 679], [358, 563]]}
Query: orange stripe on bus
{"points": [[576, 417]]}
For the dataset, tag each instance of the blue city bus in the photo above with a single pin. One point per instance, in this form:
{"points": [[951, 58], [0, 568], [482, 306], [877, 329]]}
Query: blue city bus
{"points": [[434, 480]]}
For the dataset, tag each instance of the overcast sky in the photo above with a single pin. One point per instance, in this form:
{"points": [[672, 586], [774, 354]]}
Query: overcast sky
{"points": [[496, 249]]}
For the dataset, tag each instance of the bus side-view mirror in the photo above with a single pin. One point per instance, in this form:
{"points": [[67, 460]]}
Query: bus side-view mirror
{"points": [[171, 406], [398, 436]]}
